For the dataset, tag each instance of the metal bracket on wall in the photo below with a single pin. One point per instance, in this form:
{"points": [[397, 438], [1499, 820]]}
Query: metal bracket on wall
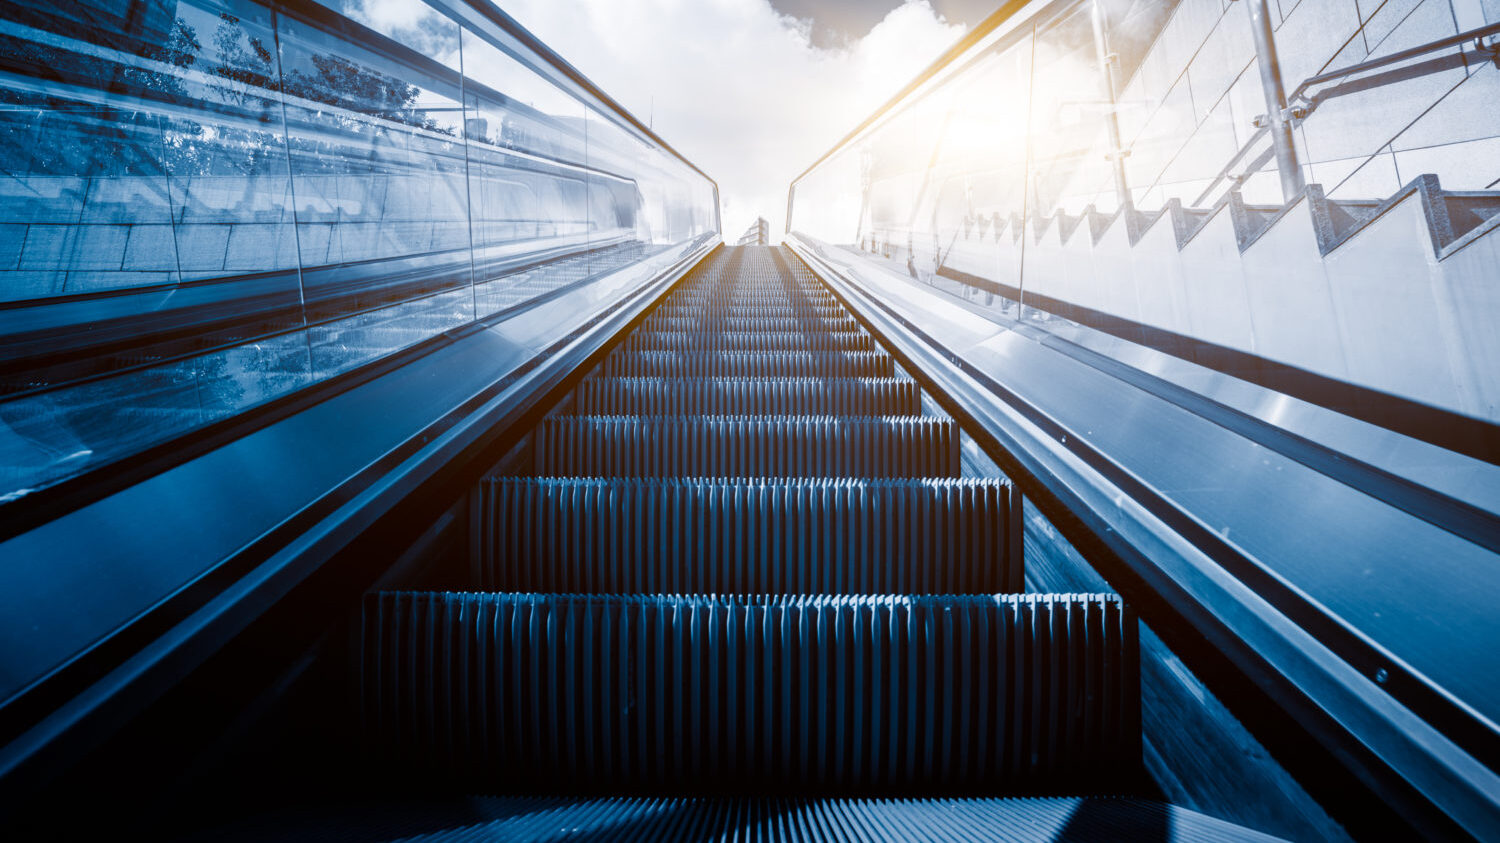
{"points": [[1489, 48]]}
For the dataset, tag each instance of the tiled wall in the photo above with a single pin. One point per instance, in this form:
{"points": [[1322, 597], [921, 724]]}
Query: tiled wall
{"points": [[1192, 103]]}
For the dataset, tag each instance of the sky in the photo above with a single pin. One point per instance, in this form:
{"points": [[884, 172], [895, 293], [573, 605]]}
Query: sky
{"points": [[749, 91]]}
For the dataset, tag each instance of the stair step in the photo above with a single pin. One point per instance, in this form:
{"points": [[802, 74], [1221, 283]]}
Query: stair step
{"points": [[920, 693], [776, 295], [746, 446], [748, 396], [749, 364], [712, 340], [782, 309], [745, 537], [763, 819], [659, 321], [1468, 210]]}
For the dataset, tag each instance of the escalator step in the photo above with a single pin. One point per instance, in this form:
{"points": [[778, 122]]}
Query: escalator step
{"points": [[748, 364], [746, 537], [758, 309], [746, 446], [778, 291], [748, 396], [721, 341], [920, 693], [659, 321], [762, 819]]}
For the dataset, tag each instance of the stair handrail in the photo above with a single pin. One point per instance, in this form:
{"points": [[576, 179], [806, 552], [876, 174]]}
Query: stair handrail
{"points": [[1477, 35], [1300, 105]]}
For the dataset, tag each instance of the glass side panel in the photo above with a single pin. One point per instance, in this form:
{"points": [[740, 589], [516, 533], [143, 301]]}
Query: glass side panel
{"points": [[1314, 251], [378, 167], [937, 190], [1131, 112], [212, 203]]}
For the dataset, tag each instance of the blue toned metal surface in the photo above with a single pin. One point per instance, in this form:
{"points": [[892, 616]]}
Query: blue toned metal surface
{"points": [[728, 446], [682, 536], [747, 396], [774, 694], [1377, 616], [767, 819], [268, 259], [114, 560], [789, 364], [147, 580], [651, 652], [759, 341]]}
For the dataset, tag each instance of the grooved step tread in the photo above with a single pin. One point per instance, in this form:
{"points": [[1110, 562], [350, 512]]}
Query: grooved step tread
{"points": [[748, 396], [763, 819], [659, 321], [748, 563], [624, 536], [874, 692], [747, 446], [766, 341], [749, 364]]}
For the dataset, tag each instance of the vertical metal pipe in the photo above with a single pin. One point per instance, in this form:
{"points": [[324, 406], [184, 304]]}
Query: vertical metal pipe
{"points": [[1108, 63], [1270, 84]]}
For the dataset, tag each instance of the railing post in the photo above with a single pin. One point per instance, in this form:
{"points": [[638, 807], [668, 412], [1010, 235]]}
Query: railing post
{"points": [[1108, 62], [1276, 115]]}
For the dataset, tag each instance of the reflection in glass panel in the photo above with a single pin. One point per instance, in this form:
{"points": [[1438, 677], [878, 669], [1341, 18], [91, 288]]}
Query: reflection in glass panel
{"points": [[378, 166], [1132, 184], [978, 186], [161, 134], [936, 190], [212, 204], [527, 178], [1072, 111]]}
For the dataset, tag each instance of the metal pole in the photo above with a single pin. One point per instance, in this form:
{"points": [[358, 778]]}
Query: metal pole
{"points": [[1276, 114], [1107, 63]]}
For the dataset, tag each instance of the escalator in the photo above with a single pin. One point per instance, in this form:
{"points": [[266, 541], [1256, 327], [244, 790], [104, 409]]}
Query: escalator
{"points": [[744, 582], [389, 450]]}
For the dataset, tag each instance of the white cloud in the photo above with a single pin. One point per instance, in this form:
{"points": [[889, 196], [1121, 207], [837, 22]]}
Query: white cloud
{"points": [[738, 88]]}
